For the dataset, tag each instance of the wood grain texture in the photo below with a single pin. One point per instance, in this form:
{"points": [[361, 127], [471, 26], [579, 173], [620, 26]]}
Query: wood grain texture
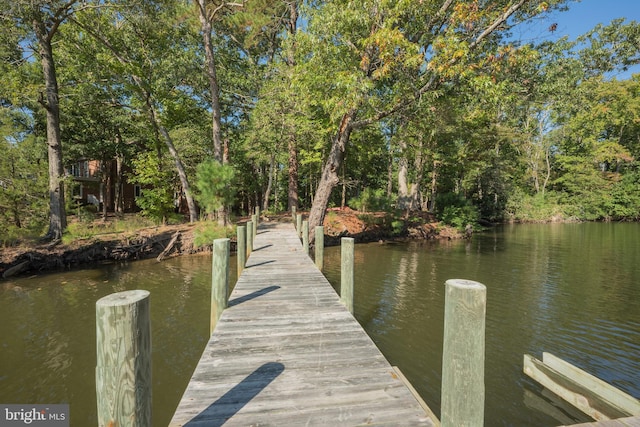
{"points": [[287, 352], [123, 364], [463, 354], [219, 279], [319, 247], [347, 273], [241, 247]]}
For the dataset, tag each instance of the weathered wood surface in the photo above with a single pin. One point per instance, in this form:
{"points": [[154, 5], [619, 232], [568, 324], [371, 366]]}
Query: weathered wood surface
{"points": [[287, 352], [589, 394], [462, 394], [123, 365], [620, 422]]}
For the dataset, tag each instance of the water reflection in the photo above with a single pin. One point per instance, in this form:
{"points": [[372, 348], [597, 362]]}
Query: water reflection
{"points": [[47, 340], [571, 290], [566, 289]]}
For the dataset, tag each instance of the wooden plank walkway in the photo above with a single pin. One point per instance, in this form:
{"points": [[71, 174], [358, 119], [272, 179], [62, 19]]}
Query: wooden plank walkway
{"points": [[287, 353], [620, 422]]}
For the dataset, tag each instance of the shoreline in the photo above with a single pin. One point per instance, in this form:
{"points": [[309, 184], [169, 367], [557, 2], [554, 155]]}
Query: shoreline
{"points": [[176, 240]]}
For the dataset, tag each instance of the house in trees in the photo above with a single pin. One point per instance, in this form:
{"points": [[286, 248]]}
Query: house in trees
{"points": [[103, 184]]}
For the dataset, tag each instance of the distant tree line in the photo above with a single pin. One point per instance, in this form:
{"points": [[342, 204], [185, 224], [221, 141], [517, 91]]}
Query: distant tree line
{"points": [[395, 105]]}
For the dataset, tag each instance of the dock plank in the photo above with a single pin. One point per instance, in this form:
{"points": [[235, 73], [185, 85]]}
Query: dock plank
{"points": [[287, 352]]}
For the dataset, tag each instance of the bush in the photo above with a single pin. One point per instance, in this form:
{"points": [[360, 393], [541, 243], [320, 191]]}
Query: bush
{"points": [[456, 211], [370, 200], [208, 231], [215, 185], [157, 198]]}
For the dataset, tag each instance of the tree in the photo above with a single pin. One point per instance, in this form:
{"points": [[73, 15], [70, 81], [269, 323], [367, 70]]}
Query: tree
{"points": [[150, 51], [383, 59], [39, 22]]}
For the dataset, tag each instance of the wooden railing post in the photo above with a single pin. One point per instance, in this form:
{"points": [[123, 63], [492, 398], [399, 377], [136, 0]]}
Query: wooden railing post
{"points": [[123, 364], [347, 272], [293, 214], [257, 214], [241, 247], [219, 280], [305, 236], [299, 224], [463, 354], [319, 249], [254, 218], [249, 238]]}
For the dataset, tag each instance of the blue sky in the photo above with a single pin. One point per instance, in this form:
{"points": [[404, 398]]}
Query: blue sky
{"points": [[581, 17]]}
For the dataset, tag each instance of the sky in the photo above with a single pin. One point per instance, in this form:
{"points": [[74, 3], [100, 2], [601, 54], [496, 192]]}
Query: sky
{"points": [[581, 17]]}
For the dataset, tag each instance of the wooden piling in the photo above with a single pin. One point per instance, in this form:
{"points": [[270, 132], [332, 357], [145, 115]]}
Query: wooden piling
{"points": [[299, 224], [305, 236], [319, 247], [219, 280], [249, 238], [347, 272], [123, 364], [462, 396], [254, 219], [293, 214], [241, 247]]}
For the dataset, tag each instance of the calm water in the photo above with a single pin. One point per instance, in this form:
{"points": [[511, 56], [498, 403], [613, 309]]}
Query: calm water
{"points": [[572, 290]]}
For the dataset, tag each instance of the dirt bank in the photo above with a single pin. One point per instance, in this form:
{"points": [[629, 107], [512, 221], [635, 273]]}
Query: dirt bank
{"points": [[174, 240]]}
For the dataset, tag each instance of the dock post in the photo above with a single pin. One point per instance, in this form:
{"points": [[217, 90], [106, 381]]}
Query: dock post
{"points": [[305, 236], [319, 249], [257, 214], [347, 272], [293, 214], [241, 247], [249, 238], [255, 226], [463, 354], [123, 364], [219, 280], [299, 224]]}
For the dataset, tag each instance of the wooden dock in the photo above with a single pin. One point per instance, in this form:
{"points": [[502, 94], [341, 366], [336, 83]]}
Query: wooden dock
{"points": [[287, 352]]}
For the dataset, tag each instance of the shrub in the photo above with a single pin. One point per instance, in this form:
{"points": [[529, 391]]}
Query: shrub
{"points": [[215, 185], [208, 231], [370, 200], [456, 211]]}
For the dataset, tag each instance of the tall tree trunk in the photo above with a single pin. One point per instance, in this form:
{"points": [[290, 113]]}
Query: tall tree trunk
{"points": [[292, 28], [104, 187], [118, 204], [434, 186], [193, 210], [210, 65], [267, 192], [418, 164], [50, 101], [329, 178], [390, 175], [293, 173], [403, 171], [219, 153]]}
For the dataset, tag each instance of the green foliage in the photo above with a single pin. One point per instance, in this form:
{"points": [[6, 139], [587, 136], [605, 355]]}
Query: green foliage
{"points": [[23, 180], [397, 226], [158, 187], [215, 185], [370, 200], [208, 231], [456, 211], [539, 207], [89, 228]]}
